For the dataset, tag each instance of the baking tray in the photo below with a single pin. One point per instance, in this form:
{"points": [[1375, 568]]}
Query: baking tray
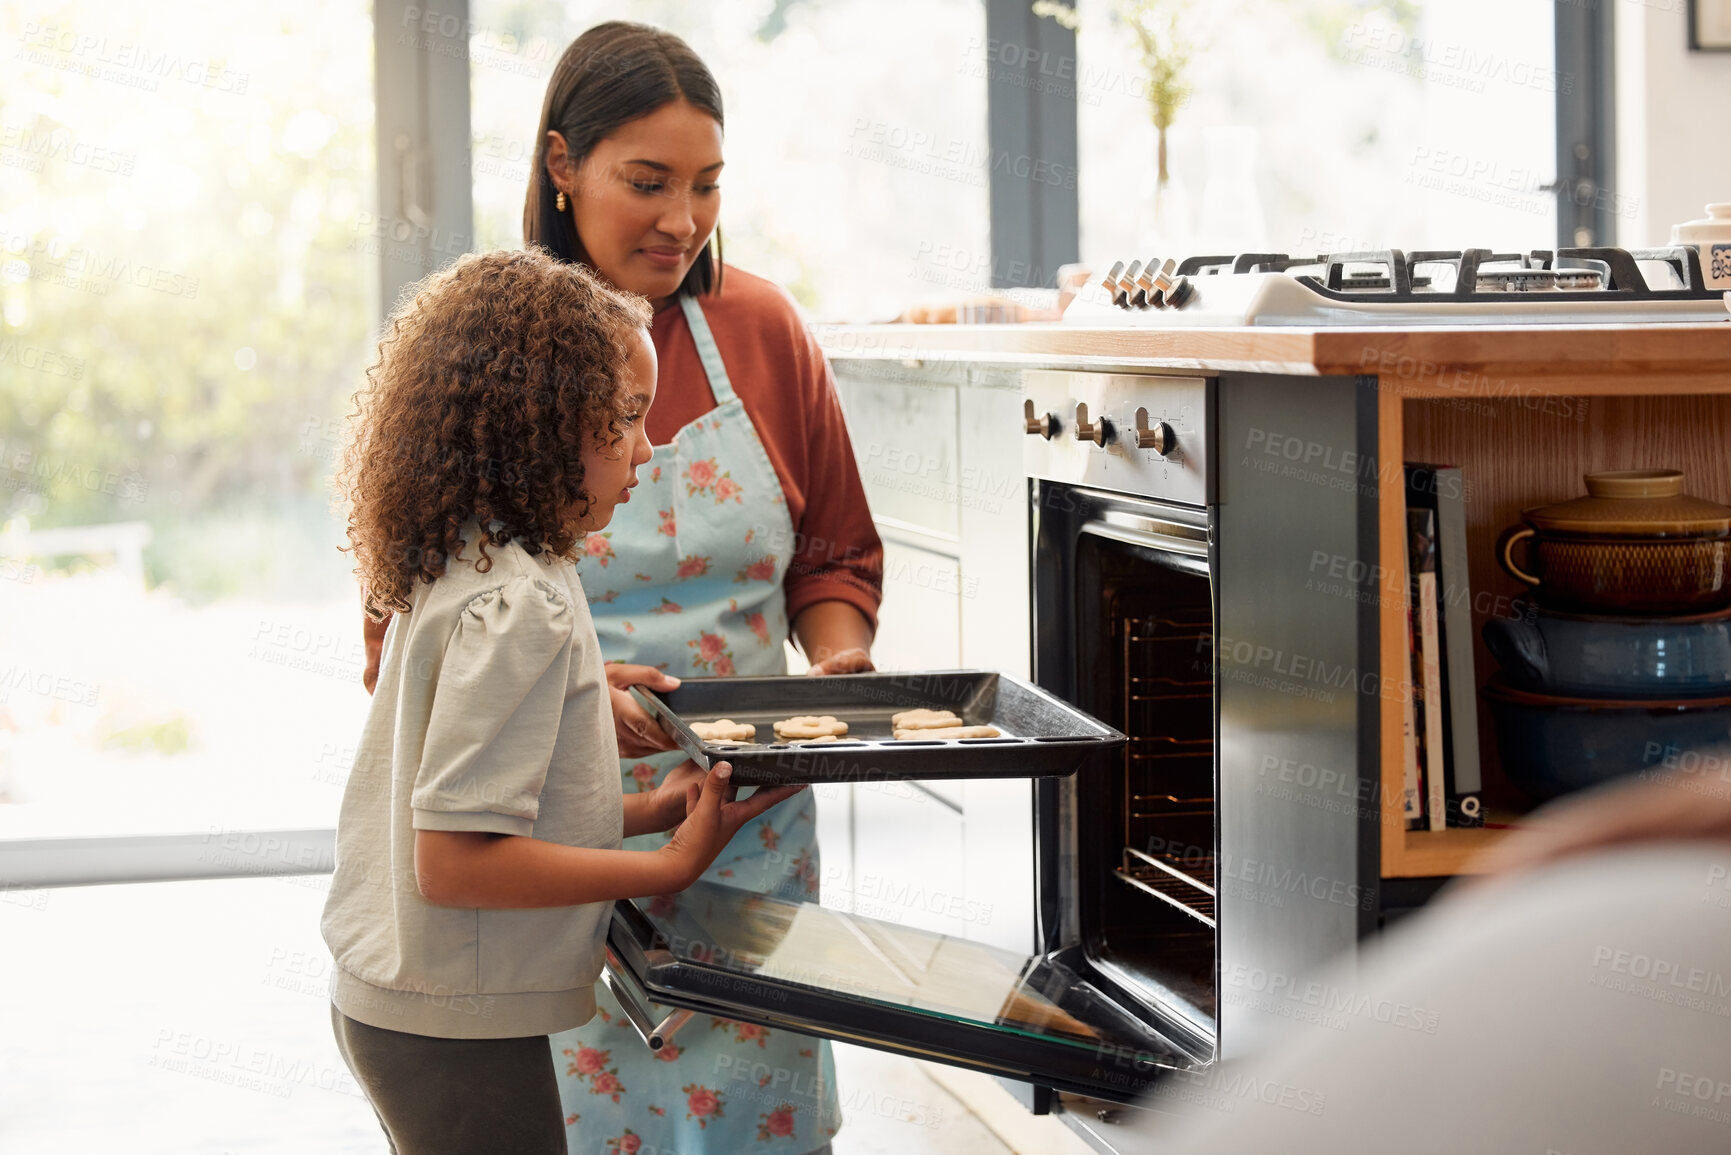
{"points": [[1042, 736]]}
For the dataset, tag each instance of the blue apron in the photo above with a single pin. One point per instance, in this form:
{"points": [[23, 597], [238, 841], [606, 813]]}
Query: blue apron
{"points": [[687, 578]]}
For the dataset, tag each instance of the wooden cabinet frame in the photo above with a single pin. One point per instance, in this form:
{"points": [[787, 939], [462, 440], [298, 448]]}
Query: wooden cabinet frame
{"points": [[1523, 437]]}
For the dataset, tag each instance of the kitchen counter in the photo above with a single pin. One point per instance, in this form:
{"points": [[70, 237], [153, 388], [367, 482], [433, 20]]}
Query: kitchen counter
{"points": [[1523, 410], [936, 416], [1432, 361]]}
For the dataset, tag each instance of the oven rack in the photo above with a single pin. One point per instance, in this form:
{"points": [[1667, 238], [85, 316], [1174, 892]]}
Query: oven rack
{"points": [[1191, 890], [1164, 747], [1145, 629], [1171, 806]]}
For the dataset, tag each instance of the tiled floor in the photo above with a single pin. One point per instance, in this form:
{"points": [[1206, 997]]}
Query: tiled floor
{"points": [[188, 1019], [891, 1107]]}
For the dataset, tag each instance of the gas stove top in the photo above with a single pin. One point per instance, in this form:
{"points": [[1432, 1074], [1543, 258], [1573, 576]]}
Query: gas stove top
{"points": [[1599, 286]]}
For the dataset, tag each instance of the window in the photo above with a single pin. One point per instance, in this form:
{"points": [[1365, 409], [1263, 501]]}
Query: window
{"points": [[1318, 125], [186, 303], [187, 300], [856, 137]]}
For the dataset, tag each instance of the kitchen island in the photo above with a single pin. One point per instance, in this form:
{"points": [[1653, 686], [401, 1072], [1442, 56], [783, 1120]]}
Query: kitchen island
{"points": [[1314, 427], [1523, 410]]}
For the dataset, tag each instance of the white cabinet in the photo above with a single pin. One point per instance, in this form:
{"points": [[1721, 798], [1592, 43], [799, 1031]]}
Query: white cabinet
{"points": [[908, 860], [993, 512], [940, 454], [919, 623], [905, 439]]}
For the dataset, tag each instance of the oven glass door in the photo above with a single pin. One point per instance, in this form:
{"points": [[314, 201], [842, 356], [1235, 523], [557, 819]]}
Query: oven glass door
{"points": [[718, 950]]}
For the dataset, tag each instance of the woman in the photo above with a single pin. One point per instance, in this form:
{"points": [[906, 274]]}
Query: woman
{"points": [[750, 520], [749, 523]]}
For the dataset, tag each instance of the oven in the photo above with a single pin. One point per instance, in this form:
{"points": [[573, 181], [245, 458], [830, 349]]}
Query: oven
{"points": [[1175, 876], [1174, 547], [1119, 987], [1124, 557]]}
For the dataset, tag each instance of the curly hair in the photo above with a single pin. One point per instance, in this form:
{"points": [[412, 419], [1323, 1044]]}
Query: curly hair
{"points": [[491, 379]]}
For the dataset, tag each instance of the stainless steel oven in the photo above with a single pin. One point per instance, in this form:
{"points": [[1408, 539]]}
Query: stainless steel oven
{"points": [[1175, 597], [1124, 601], [1120, 987], [1168, 565]]}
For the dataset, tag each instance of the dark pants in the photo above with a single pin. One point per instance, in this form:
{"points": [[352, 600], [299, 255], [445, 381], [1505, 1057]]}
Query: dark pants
{"points": [[456, 1096]]}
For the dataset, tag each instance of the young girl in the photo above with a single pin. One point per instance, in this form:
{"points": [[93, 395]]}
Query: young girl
{"points": [[478, 845]]}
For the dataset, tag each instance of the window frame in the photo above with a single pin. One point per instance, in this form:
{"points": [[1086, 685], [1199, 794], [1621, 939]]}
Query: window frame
{"points": [[1586, 126], [1035, 223]]}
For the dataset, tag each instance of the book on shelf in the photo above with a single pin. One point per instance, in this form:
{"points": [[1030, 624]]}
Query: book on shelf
{"points": [[1412, 783], [1427, 663], [1442, 489]]}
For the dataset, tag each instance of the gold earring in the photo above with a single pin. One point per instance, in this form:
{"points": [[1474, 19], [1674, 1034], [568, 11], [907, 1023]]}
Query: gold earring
{"points": [[559, 201]]}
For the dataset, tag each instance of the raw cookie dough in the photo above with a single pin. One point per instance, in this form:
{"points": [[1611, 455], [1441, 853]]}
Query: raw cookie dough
{"points": [[925, 720], [724, 730], [808, 726], [815, 741], [947, 733]]}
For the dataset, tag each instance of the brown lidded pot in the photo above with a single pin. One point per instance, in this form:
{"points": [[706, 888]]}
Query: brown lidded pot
{"points": [[1635, 544]]}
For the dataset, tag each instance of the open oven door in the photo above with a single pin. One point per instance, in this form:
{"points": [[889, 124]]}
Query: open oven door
{"points": [[719, 950]]}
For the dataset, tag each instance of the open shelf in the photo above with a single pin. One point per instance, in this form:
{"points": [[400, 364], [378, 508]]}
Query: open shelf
{"points": [[1430, 854], [1516, 448]]}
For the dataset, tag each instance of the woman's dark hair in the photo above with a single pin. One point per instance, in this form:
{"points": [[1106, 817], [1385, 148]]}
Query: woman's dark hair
{"points": [[611, 75]]}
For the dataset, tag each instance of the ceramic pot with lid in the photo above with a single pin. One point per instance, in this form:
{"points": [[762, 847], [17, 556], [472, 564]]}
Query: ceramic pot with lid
{"points": [[1635, 544], [1710, 237]]}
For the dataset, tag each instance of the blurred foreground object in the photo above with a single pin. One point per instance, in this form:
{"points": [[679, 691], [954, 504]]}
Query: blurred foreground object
{"points": [[1582, 1010], [1687, 799]]}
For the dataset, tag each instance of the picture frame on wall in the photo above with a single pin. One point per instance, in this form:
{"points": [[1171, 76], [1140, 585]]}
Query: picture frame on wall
{"points": [[1710, 25]]}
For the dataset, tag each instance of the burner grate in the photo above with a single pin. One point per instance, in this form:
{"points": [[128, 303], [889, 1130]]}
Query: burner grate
{"points": [[1599, 284]]}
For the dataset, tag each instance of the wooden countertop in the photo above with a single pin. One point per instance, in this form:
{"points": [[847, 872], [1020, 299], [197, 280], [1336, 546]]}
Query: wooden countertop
{"points": [[1439, 361]]}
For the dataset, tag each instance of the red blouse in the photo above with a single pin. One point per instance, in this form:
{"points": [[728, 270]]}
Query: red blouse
{"points": [[781, 376]]}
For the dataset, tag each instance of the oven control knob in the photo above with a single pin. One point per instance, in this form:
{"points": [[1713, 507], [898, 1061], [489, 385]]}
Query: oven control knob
{"points": [[1043, 424], [1098, 431], [1159, 436]]}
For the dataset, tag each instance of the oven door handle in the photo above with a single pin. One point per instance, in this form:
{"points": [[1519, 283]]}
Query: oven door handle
{"points": [[634, 1001], [1166, 537]]}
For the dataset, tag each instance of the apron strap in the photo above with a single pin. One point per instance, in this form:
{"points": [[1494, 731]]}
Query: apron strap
{"points": [[706, 351]]}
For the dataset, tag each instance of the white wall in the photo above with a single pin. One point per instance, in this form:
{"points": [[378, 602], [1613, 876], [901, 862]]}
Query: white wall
{"points": [[1673, 121]]}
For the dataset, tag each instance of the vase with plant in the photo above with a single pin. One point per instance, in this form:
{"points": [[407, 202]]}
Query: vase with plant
{"points": [[1164, 49]]}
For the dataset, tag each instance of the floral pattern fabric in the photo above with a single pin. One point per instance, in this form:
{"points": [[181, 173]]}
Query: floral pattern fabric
{"points": [[706, 536]]}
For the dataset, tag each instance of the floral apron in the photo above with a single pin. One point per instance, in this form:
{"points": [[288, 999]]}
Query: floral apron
{"points": [[693, 590]]}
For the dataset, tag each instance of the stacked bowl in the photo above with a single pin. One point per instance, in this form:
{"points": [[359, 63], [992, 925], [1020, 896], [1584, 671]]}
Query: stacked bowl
{"points": [[1624, 663]]}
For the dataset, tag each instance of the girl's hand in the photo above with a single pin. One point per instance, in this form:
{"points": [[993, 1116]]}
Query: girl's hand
{"points": [[670, 798], [639, 735], [851, 661], [713, 818]]}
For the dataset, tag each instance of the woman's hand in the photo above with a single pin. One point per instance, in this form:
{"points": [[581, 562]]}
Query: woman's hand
{"points": [[712, 818], [835, 636], [850, 661], [639, 735]]}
